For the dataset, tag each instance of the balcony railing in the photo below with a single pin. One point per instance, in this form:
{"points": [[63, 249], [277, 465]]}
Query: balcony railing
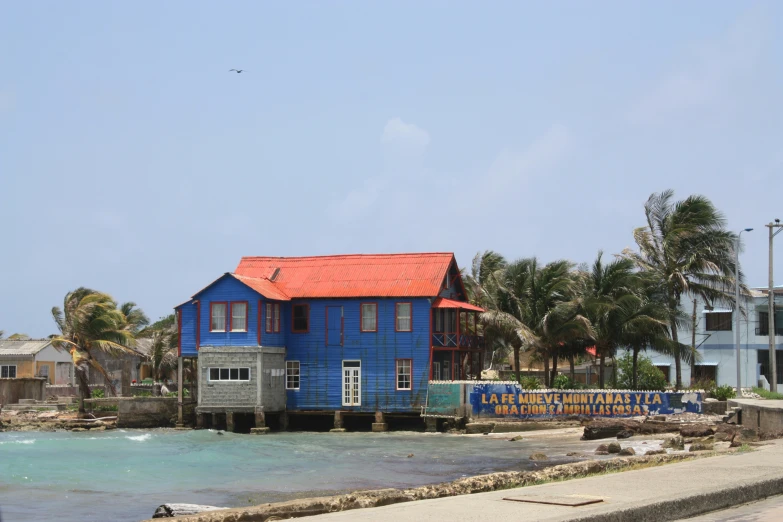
{"points": [[450, 340], [764, 330]]}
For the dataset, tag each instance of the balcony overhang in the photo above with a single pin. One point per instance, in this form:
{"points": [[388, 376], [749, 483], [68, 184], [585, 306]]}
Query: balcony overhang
{"points": [[442, 302]]}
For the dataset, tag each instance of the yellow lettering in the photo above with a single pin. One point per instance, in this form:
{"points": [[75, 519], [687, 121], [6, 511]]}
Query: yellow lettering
{"points": [[503, 397], [568, 398], [498, 409], [523, 410], [511, 398], [591, 397], [599, 398], [558, 396], [493, 399], [505, 409], [647, 398], [637, 410], [522, 398], [548, 398], [638, 398], [627, 398], [484, 398], [513, 411], [656, 398]]}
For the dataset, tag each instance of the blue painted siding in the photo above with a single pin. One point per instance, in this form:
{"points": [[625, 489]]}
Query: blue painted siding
{"points": [[321, 366], [229, 290], [188, 331]]}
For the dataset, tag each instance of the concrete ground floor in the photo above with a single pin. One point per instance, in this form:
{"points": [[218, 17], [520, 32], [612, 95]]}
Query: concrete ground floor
{"points": [[250, 420]]}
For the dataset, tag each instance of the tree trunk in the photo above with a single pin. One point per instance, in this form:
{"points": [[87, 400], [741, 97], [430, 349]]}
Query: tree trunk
{"points": [[84, 389], [693, 341], [635, 376], [572, 369], [546, 370], [516, 364], [554, 369], [677, 359], [601, 366]]}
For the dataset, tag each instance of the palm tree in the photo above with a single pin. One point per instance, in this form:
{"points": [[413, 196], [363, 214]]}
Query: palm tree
{"points": [[686, 248], [533, 309], [164, 340], [135, 318], [90, 322]]}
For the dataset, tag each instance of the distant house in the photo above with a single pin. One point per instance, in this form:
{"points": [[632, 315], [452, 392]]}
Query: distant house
{"points": [[347, 333], [35, 358], [121, 367]]}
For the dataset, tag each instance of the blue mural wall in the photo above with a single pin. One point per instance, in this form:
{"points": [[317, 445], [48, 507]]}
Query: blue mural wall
{"points": [[509, 401]]}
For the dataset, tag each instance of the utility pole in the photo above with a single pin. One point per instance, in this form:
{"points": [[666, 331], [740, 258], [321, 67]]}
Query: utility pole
{"points": [[773, 385], [738, 309]]}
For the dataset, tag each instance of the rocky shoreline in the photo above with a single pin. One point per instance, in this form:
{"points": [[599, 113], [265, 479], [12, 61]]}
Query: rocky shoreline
{"points": [[477, 484], [47, 421]]}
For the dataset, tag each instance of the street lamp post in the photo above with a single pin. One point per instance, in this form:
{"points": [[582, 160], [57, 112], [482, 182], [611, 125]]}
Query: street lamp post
{"points": [[738, 310], [773, 364]]}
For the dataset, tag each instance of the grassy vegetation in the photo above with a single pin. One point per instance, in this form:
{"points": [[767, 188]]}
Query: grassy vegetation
{"points": [[767, 394]]}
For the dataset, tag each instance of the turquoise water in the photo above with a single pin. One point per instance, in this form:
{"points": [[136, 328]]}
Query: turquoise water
{"points": [[124, 475]]}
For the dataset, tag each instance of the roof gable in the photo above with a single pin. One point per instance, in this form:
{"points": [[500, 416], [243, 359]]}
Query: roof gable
{"points": [[356, 275], [261, 286], [23, 347]]}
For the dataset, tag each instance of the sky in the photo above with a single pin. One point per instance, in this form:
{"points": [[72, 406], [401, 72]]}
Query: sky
{"points": [[133, 162]]}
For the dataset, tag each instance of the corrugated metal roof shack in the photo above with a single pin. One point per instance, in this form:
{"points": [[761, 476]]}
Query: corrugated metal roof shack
{"points": [[356, 335]]}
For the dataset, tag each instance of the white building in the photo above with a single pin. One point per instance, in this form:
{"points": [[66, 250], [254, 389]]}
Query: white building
{"points": [[715, 341]]}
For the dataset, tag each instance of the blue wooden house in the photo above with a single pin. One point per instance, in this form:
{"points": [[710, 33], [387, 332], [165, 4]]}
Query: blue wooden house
{"points": [[348, 334]]}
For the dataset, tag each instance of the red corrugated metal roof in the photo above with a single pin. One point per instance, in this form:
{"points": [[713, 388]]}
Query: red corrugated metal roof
{"points": [[359, 275], [264, 287], [442, 302]]}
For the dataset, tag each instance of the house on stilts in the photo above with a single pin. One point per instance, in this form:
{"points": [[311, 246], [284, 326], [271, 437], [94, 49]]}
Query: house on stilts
{"points": [[306, 339]]}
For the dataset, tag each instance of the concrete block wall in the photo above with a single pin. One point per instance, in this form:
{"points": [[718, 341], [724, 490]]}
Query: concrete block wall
{"points": [[228, 393]]}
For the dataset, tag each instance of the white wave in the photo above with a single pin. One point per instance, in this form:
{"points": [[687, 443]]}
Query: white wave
{"points": [[23, 441], [140, 438]]}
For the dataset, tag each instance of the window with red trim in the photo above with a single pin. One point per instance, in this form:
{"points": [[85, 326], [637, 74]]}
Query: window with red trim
{"points": [[238, 316], [404, 373], [273, 318], [217, 314], [402, 317], [300, 318], [369, 319]]}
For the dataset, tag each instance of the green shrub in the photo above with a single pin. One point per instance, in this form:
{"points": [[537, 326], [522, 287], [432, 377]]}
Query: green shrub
{"points": [[766, 394], [723, 393], [563, 382], [98, 393], [530, 383], [648, 376], [707, 385], [107, 407]]}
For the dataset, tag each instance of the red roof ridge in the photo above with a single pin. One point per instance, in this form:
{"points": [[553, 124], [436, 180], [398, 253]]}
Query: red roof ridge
{"points": [[328, 256]]}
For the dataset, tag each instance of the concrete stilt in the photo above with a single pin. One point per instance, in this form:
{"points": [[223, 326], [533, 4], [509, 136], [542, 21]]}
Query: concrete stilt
{"points": [[430, 425], [201, 421], [380, 422], [230, 421], [214, 425], [260, 419], [338, 423], [283, 421]]}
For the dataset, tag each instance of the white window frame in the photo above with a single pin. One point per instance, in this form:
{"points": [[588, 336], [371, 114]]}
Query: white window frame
{"points": [[234, 318], [229, 368], [352, 376], [293, 370], [212, 315], [8, 371], [397, 317], [397, 374], [374, 318]]}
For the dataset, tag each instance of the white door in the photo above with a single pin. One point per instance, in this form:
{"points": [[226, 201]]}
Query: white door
{"points": [[352, 383], [62, 373]]}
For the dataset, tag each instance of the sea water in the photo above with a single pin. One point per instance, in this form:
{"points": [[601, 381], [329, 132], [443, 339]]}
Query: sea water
{"points": [[125, 475]]}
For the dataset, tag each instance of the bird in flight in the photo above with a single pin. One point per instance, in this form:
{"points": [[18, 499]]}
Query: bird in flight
{"points": [[236, 70]]}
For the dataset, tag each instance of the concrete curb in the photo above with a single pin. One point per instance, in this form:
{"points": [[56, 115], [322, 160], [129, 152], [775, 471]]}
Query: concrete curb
{"points": [[690, 505]]}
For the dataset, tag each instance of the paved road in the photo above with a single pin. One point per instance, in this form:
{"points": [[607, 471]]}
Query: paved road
{"points": [[770, 510]]}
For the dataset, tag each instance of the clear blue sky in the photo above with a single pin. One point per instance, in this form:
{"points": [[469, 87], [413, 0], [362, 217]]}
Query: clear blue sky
{"points": [[133, 162]]}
